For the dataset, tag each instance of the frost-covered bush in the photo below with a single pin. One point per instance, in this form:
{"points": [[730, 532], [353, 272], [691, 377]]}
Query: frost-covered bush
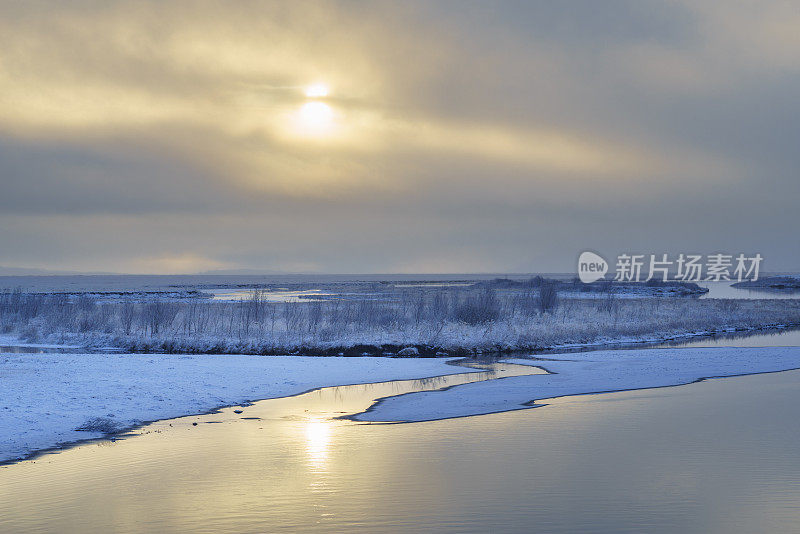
{"points": [[478, 308], [548, 297], [158, 315], [450, 319], [30, 334]]}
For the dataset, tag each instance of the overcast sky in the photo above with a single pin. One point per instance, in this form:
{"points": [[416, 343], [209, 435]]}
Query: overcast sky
{"points": [[456, 136]]}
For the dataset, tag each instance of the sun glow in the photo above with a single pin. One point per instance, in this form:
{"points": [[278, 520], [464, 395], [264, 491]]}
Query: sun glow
{"points": [[314, 119], [317, 90], [316, 113]]}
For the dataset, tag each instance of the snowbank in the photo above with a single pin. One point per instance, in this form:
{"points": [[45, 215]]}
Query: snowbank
{"points": [[588, 372], [45, 397]]}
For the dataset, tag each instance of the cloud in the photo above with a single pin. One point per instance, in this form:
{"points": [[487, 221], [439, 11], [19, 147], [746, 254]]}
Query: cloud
{"points": [[492, 137]]}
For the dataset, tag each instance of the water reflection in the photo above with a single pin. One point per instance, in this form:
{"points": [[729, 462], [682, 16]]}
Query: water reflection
{"points": [[725, 290], [767, 338], [33, 349], [719, 456], [318, 439]]}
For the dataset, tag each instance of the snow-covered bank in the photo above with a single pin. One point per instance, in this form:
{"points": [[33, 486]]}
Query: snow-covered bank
{"points": [[587, 372], [45, 397], [772, 283], [455, 321]]}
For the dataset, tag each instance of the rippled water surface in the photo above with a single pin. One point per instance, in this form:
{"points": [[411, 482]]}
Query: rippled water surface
{"points": [[718, 456], [725, 290], [769, 338]]}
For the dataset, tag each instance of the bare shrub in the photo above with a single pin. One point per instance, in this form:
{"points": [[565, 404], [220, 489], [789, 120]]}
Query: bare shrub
{"points": [[609, 303], [728, 305], [420, 307], [478, 316], [528, 302], [292, 315], [478, 309], [374, 314], [548, 296], [30, 334], [315, 315], [127, 314], [157, 315], [440, 307]]}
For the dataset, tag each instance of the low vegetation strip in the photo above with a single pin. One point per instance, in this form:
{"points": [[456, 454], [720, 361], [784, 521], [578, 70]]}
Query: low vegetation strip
{"points": [[430, 322]]}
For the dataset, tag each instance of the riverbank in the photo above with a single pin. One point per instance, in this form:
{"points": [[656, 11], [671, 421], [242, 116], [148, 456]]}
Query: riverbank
{"points": [[583, 373], [47, 397], [50, 399]]}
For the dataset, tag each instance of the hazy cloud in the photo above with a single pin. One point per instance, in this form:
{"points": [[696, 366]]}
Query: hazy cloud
{"points": [[457, 135]]}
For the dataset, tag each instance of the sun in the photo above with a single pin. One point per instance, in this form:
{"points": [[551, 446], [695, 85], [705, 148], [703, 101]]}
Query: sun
{"points": [[316, 114], [317, 90], [314, 119]]}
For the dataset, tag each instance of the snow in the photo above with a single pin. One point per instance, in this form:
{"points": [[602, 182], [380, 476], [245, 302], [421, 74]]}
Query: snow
{"points": [[582, 373], [45, 397]]}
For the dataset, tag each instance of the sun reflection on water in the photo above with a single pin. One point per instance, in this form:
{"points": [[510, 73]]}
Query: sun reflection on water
{"points": [[318, 438]]}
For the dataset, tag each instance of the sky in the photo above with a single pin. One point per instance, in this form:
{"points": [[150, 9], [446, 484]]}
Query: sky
{"points": [[395, 137]]}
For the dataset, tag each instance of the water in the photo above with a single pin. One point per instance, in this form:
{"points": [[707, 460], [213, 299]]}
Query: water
{"points": [[436, 284], [724, 290], [41, 349], [718, 456], [716, 290], [770, 338], [269, 295]]}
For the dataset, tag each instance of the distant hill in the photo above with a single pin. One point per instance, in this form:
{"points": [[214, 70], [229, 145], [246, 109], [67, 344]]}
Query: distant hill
{"points": [[22, 271], [245, 272]]}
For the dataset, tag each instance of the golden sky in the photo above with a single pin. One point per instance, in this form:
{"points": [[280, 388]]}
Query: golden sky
{"points": [[392, 136]]}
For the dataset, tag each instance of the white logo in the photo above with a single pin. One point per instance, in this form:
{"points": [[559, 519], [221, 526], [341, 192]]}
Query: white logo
{"points": [[660, 268], [591, 267]]}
